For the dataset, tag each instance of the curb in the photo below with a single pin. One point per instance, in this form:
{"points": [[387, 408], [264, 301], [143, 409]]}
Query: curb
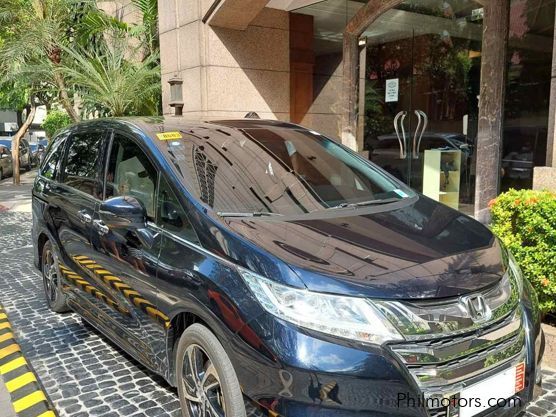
{"points": [[29, 399]]}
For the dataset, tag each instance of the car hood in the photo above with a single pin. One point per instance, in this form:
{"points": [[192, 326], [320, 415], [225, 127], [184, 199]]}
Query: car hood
{"points": [[422, 250]]}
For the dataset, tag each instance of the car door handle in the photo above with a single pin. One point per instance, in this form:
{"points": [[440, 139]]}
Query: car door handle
{"points": [[100, 227], [84, 217]]}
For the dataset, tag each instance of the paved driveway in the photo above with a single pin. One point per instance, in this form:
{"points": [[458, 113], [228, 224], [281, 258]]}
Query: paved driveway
{"points": [[83, 373]]}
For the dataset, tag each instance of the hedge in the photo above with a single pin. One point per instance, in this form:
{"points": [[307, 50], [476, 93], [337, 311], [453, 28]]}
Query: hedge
{"points": [[525, 220]]}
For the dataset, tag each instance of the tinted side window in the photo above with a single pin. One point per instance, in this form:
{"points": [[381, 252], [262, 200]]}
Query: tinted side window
{"points": [[171, 215], [130, 172], [83, 161], [52, 158]]}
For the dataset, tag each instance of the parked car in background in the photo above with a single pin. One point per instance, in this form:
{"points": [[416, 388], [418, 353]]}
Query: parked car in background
{"points": [[25, 160], [258, 265], [6, 165], [37, 151]]}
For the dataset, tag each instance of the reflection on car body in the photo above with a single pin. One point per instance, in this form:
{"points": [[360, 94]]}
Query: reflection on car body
{"points": [[261, 267]]}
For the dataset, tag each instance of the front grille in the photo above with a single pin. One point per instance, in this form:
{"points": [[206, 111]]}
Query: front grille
{"points": [[447, 348], [447, 361]]}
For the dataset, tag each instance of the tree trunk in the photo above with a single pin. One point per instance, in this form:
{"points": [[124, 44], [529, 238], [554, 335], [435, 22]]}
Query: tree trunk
{"points": [[15, 140], [64, 98]]}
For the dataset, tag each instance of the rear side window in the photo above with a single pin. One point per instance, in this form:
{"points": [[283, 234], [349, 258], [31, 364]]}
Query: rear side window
{"points": [[51, 162], [130, 172], [82, 162]]}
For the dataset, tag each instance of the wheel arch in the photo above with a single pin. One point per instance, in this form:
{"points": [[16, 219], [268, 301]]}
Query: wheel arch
{"points": [[41, 241], [179, 322]]}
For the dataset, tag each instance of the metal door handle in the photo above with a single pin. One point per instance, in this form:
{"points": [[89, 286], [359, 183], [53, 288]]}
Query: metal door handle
{"points": [[100, 227], [422, 123], [401, 140], [84, 217]]}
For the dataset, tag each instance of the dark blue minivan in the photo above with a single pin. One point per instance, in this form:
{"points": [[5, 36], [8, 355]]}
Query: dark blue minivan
{"points": [[266, 270]]}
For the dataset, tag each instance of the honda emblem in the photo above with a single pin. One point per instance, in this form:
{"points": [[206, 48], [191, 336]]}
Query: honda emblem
{"points": [[477, 307]]}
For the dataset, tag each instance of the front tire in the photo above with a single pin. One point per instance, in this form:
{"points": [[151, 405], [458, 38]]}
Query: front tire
{"points": [[207, 382], [51, 277]]}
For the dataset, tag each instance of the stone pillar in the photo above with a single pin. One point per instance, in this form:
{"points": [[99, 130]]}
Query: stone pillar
{"points": [[551, 138], [491, 105], [545, 177], [354, 28], [226, 72]]}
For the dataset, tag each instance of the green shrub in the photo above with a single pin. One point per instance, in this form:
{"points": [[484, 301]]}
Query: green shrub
{"points": [[525, 220], [55, 121]]}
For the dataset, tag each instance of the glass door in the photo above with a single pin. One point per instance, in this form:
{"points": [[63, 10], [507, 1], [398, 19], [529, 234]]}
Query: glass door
{"points": [[421, 96]]}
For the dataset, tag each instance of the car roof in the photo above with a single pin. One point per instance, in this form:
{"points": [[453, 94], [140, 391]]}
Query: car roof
{"points": [[161, 124]]}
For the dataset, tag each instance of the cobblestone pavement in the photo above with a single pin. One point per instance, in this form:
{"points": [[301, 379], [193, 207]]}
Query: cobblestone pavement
{"points": [[83, 373]]}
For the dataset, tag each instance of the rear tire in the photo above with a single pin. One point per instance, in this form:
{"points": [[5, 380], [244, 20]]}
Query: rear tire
{"points": [[205, 376], [51, 277]]}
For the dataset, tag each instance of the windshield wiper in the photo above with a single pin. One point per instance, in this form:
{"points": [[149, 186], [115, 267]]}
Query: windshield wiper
{"points": [[368, 203], [250, 214]]}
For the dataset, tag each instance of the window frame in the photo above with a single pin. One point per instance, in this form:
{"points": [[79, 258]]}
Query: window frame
{"points": [[158, 222], [146, 152], [60, 177], [63, 137]]}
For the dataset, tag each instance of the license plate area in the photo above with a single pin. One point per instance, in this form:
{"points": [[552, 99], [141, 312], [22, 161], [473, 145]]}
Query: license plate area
{"points": [[495, 391]]}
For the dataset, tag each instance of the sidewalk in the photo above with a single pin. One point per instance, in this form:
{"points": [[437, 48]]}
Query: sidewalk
{"points": [[6, 407], [17, 197]]}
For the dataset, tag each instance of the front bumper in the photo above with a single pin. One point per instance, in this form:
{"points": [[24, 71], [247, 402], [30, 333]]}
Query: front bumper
{"points": [[293, 372]]}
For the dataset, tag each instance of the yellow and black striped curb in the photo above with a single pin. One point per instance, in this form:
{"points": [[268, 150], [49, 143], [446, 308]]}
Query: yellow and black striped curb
{"points": [[28, 396]]}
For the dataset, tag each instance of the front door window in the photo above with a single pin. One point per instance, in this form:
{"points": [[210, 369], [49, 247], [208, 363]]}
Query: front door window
{"points": [[131, 173], [421, 92]]}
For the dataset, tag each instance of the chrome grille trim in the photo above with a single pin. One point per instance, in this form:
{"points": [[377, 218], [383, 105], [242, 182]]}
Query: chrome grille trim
{"points": [[423, 320], [466, 367], [439, 351]]}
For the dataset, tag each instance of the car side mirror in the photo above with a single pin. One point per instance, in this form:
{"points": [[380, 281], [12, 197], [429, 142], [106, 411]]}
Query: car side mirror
{"points": [[129, 213], [123, 212]]}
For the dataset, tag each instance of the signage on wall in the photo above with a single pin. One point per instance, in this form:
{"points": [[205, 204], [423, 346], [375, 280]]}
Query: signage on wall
{"points": [[392, 90]]}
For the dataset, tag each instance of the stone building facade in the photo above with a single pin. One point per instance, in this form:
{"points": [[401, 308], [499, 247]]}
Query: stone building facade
{"points": [[393, 79]]}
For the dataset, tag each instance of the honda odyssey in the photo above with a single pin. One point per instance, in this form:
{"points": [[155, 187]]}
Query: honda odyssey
{"points": [[265, 269]]}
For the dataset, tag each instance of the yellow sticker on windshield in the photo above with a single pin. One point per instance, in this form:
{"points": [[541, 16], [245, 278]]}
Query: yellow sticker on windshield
{"points": [[169, 136]]}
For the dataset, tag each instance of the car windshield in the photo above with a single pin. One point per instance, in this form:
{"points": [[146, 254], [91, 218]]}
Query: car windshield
{"points": [[279, 170]]}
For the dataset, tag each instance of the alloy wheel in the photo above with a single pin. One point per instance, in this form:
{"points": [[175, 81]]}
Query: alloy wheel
{"points": [[50, 276], [201, 384]]}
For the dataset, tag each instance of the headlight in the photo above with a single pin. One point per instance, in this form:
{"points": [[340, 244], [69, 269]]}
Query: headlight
{"points": [[347, 317]]}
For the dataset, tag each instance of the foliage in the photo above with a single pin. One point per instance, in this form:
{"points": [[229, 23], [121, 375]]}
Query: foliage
{"points": [[55, 121], [111, 85], [376, 123], [68, 46], [525, 220]]}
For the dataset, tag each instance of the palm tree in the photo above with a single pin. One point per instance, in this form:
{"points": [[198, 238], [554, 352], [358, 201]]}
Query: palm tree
{"points": [[40, 30], [111, 85]]}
